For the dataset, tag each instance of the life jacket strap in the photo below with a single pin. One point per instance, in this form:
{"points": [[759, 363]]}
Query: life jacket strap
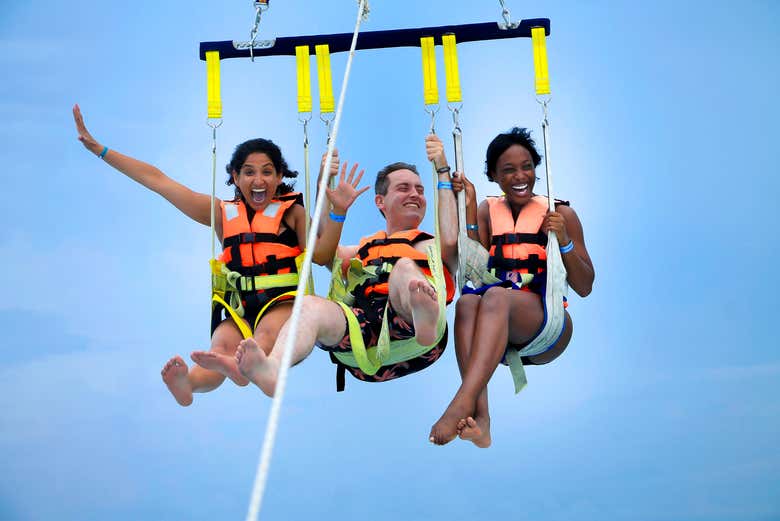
{"points": [[520, 238], [252, 237], [533, 264], [271, 266]]}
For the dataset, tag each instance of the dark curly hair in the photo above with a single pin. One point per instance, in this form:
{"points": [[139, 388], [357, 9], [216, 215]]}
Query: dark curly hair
{"points": [[267, 147], [499, 145]]}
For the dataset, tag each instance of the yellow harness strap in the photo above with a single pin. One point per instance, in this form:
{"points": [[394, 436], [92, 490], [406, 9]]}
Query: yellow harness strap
{"points": [[213, 96], [327, 103], [226, 282], [304, 78], [430, 87], [540, 60], [449, 44]]}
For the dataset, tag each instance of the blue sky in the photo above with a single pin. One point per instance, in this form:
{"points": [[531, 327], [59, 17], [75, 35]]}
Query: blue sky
{"points": [[664, 407]]}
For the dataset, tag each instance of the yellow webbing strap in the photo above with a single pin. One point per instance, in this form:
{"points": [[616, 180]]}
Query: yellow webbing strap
{"points": [[540, 60], [245, 331], [327, 104], [212, 85], [430, 87], [304, 78], [267, 281], [451, 68]]}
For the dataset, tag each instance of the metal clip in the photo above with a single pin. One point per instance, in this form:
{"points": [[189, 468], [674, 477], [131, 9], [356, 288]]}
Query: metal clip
{"points": [[508, 23], [432, 110], [260, 6]]}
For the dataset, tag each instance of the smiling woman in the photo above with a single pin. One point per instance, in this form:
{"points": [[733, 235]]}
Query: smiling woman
{"points": [[263, 234], [497, 321]]}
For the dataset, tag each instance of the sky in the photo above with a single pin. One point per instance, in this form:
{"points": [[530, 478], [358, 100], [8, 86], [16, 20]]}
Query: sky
{"points": [[665, 407]]}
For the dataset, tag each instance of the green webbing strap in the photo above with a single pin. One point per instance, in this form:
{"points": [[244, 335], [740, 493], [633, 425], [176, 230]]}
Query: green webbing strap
{"points": [[516, 368], [365, 359], [388, 352]]}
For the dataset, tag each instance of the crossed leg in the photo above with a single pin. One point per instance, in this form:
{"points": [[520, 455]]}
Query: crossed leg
{"points": [[483, 328]]}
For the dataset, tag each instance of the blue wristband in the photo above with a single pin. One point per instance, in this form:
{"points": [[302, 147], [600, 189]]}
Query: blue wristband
{"points": [[474, 227], [568, 247], [103, 153], [444, 184], [337, 218]]}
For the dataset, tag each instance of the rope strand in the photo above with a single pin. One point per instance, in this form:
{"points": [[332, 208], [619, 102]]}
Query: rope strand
{"points": [[273, 419]]}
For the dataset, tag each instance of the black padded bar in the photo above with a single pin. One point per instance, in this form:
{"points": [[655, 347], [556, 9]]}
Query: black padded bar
{"points": [[285, 46]]}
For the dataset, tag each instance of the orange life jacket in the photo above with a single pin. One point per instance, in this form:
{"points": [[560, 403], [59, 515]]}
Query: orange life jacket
{"points": [[378, 249], [258, 248], [519, 246]]}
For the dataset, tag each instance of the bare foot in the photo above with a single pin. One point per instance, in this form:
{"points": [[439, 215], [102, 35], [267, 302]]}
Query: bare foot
{"points": [[174, 374], [477, 431], [425, 311], [445, 430], [220, 363], [254, 364]]}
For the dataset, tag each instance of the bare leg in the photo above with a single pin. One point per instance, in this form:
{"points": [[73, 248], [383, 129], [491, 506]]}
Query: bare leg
{"points": [[474, 428], [267, 330], [320, 321], [414, 299], [491, 332], [222, 361], [182, 381]]}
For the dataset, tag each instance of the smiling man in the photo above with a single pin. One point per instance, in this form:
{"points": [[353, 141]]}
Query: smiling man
{"points": [[391, 280]]}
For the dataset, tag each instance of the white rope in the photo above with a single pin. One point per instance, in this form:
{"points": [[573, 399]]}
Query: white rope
{"points": [[273, 419]]}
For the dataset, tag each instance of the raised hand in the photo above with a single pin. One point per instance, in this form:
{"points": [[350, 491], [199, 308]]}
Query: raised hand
{"points": [[434, 149], [85, 137], [346, 190], [334, 163], [460, 182]]}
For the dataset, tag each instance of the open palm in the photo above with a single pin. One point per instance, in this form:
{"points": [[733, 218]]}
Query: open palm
{"points": [[346, 190]]}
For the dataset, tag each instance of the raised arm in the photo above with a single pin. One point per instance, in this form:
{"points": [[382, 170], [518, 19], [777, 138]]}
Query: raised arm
{"points": [[193, 204], [331, 225], [448, 207]]}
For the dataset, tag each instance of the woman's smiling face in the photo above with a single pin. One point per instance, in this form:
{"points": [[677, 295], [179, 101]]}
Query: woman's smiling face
{"points": [[257, 180], [515, 174]]}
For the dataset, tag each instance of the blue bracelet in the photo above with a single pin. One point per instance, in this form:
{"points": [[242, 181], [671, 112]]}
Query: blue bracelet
{"points": [[474, 227], [568, 247], [103, 153], [444, 184], [337, 218]]}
